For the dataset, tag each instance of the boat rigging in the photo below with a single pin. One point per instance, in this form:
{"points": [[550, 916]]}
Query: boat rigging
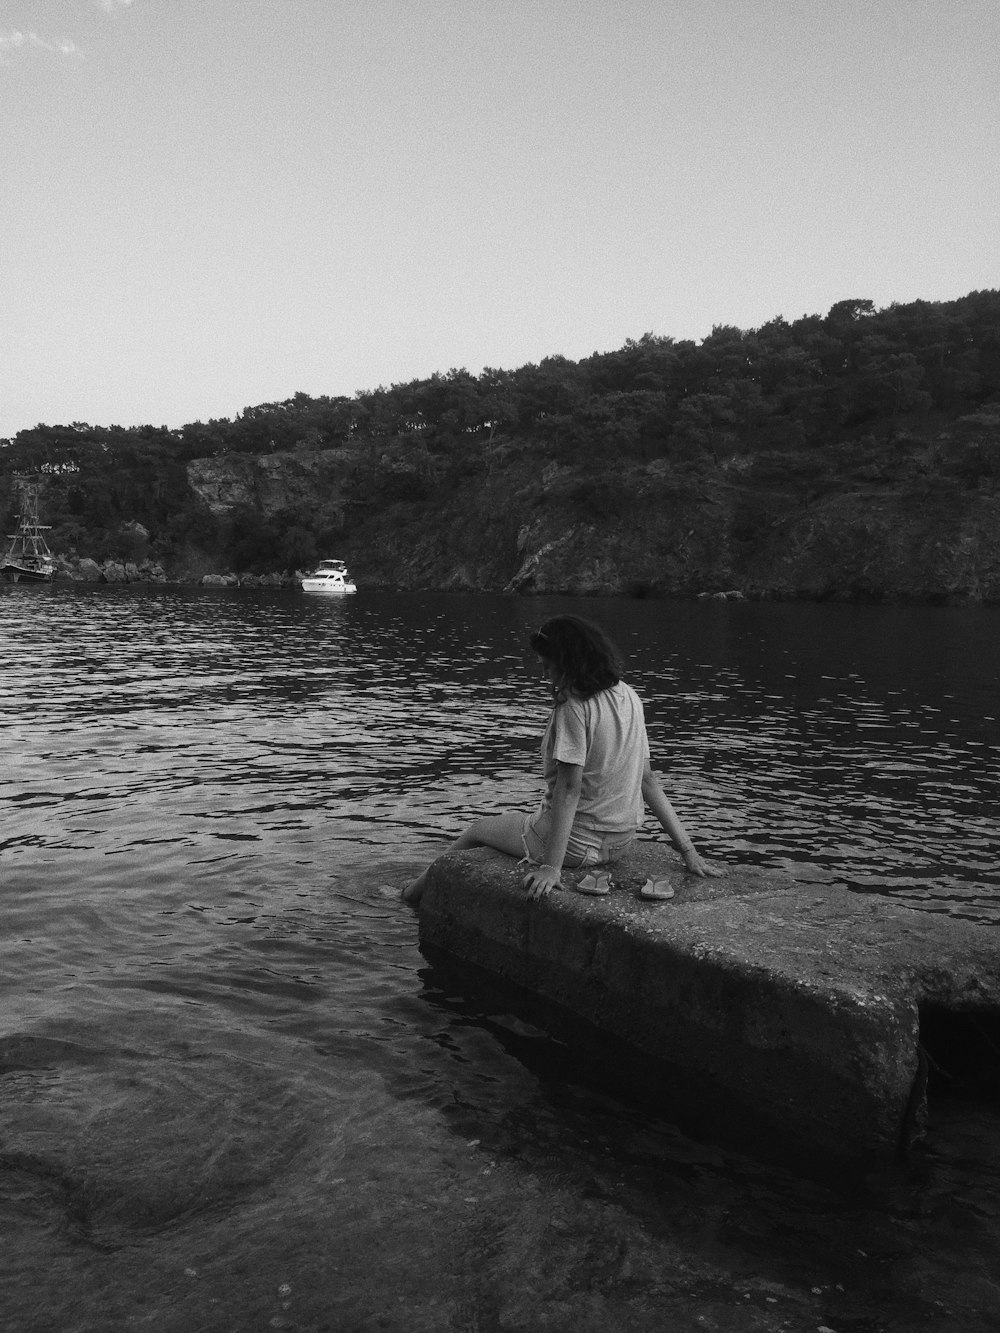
{"points": [[28, 559]]}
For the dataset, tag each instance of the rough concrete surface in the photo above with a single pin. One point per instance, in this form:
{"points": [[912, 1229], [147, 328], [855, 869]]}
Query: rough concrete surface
{"points": [[800, 1000]]}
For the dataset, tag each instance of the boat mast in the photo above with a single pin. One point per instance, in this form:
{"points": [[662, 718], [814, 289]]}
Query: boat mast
{"points": [[28, 539]]}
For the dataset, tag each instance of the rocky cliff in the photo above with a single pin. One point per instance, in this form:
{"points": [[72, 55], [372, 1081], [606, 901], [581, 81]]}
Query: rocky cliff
{"points": [[535, 526], [272, 483]]}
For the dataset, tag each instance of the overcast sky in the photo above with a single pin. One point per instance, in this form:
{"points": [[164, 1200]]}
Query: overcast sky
{"points": [[208, 204]]}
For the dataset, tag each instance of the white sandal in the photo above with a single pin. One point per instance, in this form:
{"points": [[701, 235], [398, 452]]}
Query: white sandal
{"points": [[595, 884], [658, 890]]}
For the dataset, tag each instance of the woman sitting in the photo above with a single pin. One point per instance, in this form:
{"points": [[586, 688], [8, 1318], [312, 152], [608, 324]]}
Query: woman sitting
{"points": [[595, 763]]}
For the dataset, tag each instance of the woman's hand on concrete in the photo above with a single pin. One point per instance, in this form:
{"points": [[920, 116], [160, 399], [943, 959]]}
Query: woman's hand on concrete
{"points": [[698, 866], [541, 880]]}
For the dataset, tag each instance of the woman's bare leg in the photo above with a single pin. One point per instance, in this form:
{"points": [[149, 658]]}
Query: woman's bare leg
{"points": [[502, 832]]}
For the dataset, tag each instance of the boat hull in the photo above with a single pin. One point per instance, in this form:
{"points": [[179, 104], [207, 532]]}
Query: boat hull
{"points": [[325, 585], [23, 574]]}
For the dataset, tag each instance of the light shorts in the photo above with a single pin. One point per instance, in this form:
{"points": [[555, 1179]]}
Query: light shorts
{"points": [[586, 847]]}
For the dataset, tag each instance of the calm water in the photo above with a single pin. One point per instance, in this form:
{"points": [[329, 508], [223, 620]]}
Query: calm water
{"points": [[236, 1097]]}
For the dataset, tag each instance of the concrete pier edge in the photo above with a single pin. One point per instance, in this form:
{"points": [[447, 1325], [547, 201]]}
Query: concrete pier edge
{"points": [[801, 1000]]}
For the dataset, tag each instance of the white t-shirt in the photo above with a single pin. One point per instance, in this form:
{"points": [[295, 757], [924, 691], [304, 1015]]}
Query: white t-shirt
{"points": [[606, 734]]}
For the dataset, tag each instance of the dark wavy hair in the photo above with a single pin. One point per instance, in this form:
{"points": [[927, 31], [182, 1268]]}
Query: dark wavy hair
{"points": [[585, 659]]}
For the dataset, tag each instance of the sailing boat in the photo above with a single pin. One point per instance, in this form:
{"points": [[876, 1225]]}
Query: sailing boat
{"points": [[29, 559]]}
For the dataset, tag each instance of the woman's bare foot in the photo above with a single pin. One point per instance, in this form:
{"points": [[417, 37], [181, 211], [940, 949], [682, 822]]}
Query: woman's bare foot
{"points": [[414, 891]]}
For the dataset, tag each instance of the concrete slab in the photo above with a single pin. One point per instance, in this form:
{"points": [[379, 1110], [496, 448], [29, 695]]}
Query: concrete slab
{"points": [[800, 1000]]}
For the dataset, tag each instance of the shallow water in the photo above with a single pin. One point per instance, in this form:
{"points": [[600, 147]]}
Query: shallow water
{"points": [[236, 1096]]}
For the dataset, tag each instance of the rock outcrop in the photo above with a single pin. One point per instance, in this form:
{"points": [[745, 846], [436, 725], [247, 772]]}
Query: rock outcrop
{"points": [[799, 1005], [270, 483], [83, 569]]}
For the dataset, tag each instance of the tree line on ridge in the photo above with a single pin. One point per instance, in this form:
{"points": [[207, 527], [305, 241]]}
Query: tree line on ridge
{"points": [[909, 387]]}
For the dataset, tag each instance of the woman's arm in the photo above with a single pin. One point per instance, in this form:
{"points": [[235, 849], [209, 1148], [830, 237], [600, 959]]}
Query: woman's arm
{"points": [[565, 798], [655, 798]]}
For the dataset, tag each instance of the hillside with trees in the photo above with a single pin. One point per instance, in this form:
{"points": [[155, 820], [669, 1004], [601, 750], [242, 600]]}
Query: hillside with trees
{"points": [[855, 454]]}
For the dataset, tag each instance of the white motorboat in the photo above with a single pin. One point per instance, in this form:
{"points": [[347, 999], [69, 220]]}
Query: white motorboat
{"points": [[329, 576]]}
